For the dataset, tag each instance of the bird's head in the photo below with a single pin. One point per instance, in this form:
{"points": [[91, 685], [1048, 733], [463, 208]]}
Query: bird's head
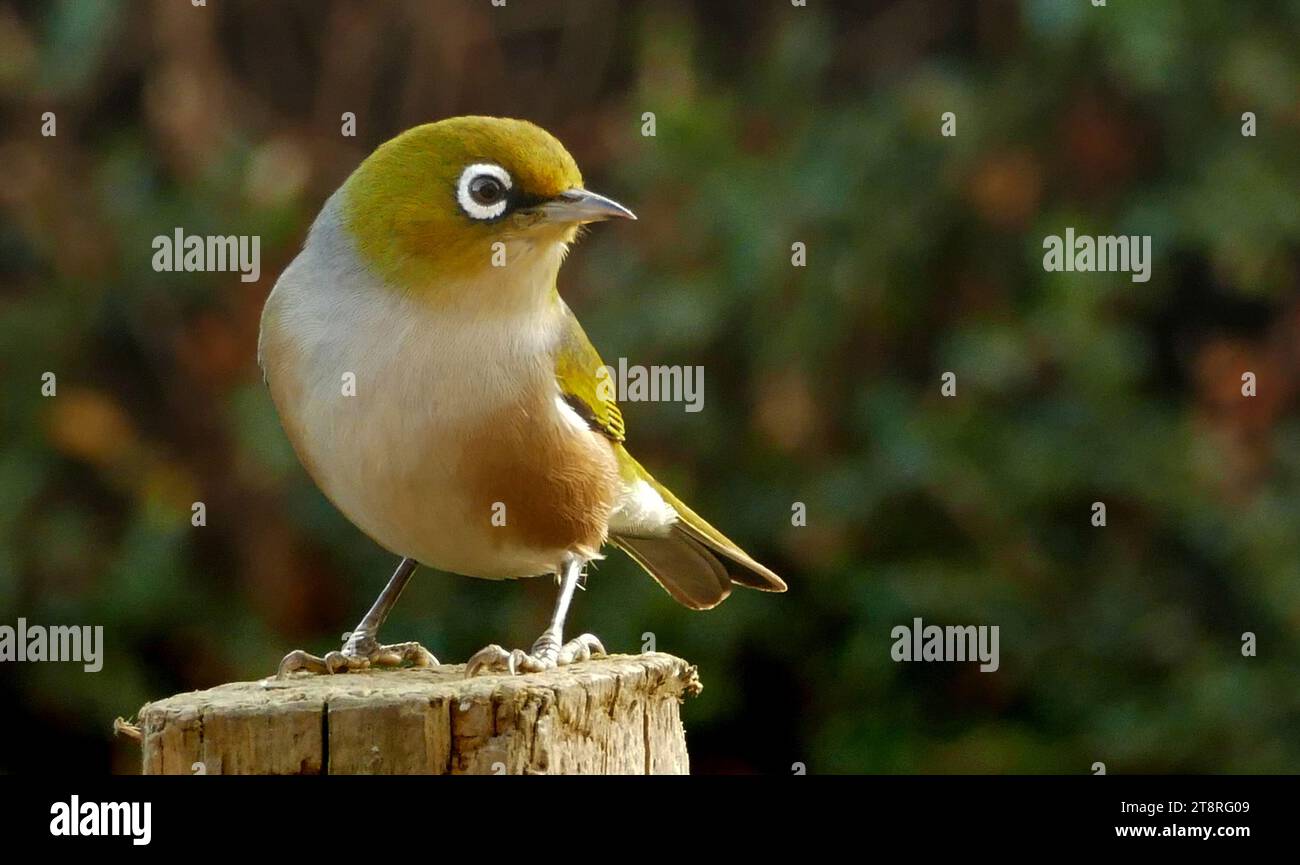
{"points": [[428, 209]]}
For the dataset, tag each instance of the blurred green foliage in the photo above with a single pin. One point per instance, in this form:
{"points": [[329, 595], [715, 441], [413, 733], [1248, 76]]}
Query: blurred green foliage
{"points": [[775, 124]]}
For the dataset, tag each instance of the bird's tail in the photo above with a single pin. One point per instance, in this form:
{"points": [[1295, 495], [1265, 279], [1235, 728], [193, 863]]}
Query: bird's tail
{"points": [[695, 562]]}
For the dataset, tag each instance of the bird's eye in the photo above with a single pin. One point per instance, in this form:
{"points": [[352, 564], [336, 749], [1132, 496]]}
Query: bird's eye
{"points": [[486, 190], [483, 191]]}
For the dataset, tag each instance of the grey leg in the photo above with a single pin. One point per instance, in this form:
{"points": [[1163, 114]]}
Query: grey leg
{"points": [[361, 648], [548, 650]]}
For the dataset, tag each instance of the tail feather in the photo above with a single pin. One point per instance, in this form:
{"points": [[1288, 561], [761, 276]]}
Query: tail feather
{"points": [[740, 568], [695, 562], [688, 571]]}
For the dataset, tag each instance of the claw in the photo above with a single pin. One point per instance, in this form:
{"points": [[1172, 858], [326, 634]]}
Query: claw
{"points": [[582, 648], [357, 654], [487, 658], [546, 654], [300, 660]]}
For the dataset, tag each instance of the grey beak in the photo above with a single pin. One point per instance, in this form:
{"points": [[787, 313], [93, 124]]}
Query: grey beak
{"points": [[579, 205]]}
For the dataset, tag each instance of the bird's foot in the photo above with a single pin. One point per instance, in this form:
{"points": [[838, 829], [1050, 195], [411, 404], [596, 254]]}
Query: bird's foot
{"points": [[359, 652], [545, 654]]}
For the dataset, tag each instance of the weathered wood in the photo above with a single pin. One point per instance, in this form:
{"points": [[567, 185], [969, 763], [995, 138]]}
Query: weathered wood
{"points": [[614, 715]]}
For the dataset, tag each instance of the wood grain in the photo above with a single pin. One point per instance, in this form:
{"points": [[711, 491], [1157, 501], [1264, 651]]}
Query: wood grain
{"points": [[614, 715]]}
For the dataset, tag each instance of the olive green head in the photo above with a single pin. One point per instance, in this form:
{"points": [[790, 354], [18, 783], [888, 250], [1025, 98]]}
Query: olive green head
{"points": [[434, 205]]}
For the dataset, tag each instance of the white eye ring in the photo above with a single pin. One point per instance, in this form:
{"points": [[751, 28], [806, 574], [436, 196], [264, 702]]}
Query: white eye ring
{"points": [[467, 202]]}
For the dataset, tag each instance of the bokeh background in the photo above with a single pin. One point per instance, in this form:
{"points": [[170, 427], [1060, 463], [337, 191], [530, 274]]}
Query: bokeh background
{"points": [[775, 124]]}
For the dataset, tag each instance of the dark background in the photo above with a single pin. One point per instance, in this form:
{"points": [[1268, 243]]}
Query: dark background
{"points": [[775, 124]]}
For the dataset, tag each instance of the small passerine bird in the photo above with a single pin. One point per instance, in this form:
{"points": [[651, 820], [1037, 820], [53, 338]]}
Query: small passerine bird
{"points": [[446, 400]]}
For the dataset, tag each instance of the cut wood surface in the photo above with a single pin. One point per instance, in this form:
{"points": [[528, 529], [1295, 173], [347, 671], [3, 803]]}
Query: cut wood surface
{"points": [[613, 715]]}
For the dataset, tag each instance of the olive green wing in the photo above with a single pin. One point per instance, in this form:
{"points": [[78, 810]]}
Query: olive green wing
{"points": [[585, 381], [693, 561]]}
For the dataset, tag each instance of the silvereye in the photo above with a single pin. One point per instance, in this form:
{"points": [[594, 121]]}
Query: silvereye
{"points": [[446, 400]]}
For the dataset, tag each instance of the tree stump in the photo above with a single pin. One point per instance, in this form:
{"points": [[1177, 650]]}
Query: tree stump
{"points": [[613, 715]]}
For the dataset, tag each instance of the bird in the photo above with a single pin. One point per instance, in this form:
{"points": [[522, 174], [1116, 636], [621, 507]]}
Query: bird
{"points": [[443, 396]]}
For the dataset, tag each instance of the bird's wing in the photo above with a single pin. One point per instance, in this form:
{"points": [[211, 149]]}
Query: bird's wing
{"points": [[691, 559], [695, 562], [586, 388]]}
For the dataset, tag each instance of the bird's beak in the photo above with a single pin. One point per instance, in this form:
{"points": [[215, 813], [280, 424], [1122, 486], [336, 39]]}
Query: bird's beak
{"points": [[579, 205]]}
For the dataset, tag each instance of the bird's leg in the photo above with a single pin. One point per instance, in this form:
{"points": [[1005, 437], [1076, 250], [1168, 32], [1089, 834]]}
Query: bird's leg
{"points": [[361, 649], [549, 650]]}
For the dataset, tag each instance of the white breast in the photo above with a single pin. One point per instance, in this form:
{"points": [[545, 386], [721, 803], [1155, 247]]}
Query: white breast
{"points": [[385, 456]]}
